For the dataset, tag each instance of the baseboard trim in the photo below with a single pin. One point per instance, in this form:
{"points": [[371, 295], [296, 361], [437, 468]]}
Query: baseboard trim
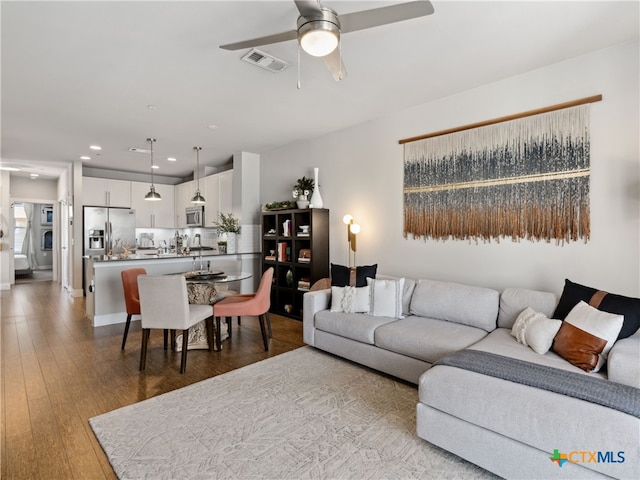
{"points": [[77, 292], [112, 319]]}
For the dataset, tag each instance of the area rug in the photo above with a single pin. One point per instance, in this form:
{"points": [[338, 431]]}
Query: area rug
{"points": [[304, 414]]}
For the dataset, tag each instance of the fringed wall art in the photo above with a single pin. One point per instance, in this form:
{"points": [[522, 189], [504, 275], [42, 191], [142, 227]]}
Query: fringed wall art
{"points": [[522, 176]]}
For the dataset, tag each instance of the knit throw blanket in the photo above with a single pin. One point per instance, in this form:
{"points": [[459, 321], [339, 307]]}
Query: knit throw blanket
{"points": [[596, 390]]}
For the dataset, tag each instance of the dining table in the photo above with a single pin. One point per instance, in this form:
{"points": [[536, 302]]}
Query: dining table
{"points": [[207, 288]]}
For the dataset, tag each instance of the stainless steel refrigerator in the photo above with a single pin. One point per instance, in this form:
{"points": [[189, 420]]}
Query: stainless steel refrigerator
{"points": [[106, 230]]}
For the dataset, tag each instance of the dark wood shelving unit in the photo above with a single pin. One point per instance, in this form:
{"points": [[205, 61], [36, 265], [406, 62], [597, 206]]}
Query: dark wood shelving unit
{"points": [[298, 259]]}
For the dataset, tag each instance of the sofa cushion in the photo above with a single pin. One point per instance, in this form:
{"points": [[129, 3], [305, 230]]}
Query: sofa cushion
{"points": [[514, 300], [454, 302], [623, 364], [501, 342], [356, 326], [607, 302], [426, 339]]}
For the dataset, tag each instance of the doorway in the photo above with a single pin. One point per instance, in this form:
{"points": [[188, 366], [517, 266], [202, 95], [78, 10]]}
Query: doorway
{"points": [[33, 242]]}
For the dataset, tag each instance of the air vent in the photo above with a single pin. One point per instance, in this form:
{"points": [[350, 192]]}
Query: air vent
{"points": [[264, 60], [140, 150]]}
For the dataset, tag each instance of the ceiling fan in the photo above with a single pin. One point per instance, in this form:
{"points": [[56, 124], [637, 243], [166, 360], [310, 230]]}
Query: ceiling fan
{"points": [[319, 28]]}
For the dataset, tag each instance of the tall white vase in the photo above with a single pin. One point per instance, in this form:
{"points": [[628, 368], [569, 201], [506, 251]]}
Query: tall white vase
{"points": [[232, 240], [316, 198]]}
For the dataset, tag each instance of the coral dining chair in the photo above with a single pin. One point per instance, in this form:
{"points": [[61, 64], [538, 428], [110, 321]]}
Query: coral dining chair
{"points": [[131, 296], [253, 305], [164, 304]]}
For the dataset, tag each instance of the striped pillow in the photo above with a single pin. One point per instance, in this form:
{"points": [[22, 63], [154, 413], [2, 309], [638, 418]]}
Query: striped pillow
{"points": [[386, 297]]}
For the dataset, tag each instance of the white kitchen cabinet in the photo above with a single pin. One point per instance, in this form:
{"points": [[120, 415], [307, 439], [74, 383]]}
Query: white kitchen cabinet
{"points": [[218, 195], [183, 194], [212, 196], [158, 214], [103, 192]]}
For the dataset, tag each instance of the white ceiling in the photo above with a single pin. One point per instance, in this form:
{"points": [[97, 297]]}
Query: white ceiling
{"points": [[82, 73]]}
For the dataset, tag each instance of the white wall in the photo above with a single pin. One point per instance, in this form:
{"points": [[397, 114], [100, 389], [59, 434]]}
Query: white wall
{"points": [[361, 173], [25, 189], [6, 243]]}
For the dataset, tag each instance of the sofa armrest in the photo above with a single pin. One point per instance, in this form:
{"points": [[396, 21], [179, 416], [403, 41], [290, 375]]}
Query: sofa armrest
{"points": [[623, 364], [313, 302]]}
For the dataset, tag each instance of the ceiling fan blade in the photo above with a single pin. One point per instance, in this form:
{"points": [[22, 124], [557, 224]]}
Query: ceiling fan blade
{"points": [[333, 61], [352, 22], [257, 42], [308, 7]]}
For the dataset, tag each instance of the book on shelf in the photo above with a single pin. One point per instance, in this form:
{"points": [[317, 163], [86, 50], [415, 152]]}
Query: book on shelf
{"points": [[284, 252], [304, 260], [270, 258]]}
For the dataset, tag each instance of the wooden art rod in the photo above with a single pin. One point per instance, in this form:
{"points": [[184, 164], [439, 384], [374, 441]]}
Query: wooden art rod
{"points": [[538, 111]]}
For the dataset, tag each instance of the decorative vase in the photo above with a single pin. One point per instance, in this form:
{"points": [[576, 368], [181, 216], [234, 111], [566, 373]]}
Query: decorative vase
{"points": [[231, 242], [316, 198], [289, 278], [302, 201]]}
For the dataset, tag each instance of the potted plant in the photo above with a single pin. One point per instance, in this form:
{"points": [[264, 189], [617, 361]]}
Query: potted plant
{"points": [[228, 227], [301, 191]]}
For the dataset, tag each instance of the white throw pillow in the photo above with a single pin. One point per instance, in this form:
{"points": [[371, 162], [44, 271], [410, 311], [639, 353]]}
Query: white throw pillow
{"points": [[596, 322], [350, 299], [386, 297], [541, 332], [525, 318]]}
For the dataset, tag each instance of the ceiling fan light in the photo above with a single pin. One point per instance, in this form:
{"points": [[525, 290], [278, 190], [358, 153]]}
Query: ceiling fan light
{"points": [[320, 39]]}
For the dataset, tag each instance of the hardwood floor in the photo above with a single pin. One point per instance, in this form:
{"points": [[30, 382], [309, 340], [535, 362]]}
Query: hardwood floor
{"points": [[57, 371]]}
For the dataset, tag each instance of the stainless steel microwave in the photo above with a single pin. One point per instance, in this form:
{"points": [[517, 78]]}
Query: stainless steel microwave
{"points": [[195, 216]]}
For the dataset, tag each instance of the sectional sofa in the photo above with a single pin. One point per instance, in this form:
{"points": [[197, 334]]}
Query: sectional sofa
{"points": [[483, 395]]}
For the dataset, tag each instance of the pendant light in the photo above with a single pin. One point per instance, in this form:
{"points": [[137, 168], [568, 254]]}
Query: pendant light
{"points": [[152, 196], [197, 198]]}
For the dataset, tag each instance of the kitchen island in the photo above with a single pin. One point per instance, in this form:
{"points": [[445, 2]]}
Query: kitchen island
{"points": [[105, 298]]}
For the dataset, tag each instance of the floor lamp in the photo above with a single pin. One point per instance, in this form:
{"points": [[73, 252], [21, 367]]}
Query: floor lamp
{"points": [[353, 229]]}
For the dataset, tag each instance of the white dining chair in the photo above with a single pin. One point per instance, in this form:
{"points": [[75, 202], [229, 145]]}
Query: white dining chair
{"points": [[164, 304]]}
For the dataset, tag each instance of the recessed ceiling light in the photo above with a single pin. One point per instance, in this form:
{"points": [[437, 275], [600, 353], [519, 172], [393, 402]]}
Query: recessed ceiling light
{"points": [[152, 107], [95, 147], [9, 169], [155, 167], [171, 159], [213, 127], [34, 175], [84, 157]]}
